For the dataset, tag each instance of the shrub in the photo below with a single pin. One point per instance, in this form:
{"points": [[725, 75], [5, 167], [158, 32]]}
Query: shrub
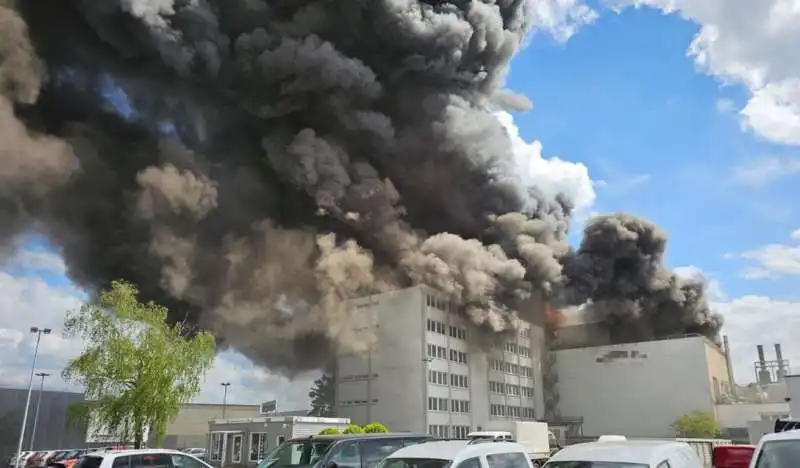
{"points": [[353, 429], [375, 427], [330, 431]]}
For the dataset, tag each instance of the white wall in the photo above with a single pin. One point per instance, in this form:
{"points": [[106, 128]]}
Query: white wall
{"points": [[793, 394], [736, 415], [638, 397]]}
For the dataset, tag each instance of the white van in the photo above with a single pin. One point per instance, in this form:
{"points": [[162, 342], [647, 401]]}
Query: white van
{"points": [[458, 454], [627, 454]]}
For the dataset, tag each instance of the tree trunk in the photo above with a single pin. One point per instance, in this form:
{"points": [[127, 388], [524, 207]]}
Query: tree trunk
{"points": [[137, 436]]}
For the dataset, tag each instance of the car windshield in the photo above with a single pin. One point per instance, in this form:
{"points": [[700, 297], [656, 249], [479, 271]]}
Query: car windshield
{"points": [[296, 453], [592, 464], [414, 463], [779, 454]]}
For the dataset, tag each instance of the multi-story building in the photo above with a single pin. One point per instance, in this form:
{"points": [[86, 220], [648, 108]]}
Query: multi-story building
{"points": [[424, 367]]}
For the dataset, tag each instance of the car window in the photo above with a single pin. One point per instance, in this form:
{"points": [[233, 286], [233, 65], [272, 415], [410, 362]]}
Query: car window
{"points": [[121, 462], [507, 460], [183, 461], [373, 451], [152, 460], [779, 453], [346, 455], [470, 463], [89, 462], [664, 464]]}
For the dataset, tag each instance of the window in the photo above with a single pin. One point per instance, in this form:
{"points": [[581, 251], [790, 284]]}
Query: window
{"points": [[156, 460], [296, 453], [507, 460], [779, 453], [664, 464], [373, 451], [216, 446], [182, 461], [258, 446], [414, 463], [121, 462], [90, 462], [280, 439], [236, 451], [346, 455], [470, 463]]}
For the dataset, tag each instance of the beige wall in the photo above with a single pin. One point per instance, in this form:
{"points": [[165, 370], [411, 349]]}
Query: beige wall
{"points": [[190, 427], [717, 371]]}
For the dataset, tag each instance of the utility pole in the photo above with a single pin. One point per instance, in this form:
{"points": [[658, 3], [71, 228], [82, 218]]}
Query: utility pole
{"points": [[38, 405], [38, 332], [225, 397]]}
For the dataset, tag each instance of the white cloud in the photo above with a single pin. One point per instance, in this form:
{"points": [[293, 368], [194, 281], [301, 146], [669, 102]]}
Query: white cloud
{"points": [[764, 171], [772, 260], [752, 43], [551, 175], [27, 300], [561, 18]]}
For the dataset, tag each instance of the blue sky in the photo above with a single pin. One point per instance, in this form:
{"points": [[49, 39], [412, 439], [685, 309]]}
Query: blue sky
{"points": [[685, 139]]}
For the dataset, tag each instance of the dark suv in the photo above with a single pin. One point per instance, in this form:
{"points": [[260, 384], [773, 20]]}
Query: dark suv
{"points": [[339, 451]]}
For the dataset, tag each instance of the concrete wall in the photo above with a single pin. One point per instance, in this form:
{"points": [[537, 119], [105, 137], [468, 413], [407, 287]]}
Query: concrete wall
{"points": [[737, 415], [190, 427], [718, 372], [640, 395], [52, 431], [386, 384]]}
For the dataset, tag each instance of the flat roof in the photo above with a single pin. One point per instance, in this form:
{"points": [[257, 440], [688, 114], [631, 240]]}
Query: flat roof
{"points": [[280, 419]]}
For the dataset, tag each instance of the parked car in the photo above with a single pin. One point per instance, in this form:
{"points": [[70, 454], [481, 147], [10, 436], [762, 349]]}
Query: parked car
{"points": [[196, 452], [627, 454], [458, 454], [141, 458], [346, 451]]}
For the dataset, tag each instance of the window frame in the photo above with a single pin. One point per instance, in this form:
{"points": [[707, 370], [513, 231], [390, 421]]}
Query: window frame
{"points": [[216, 455], [263, 441], [234, 458]]}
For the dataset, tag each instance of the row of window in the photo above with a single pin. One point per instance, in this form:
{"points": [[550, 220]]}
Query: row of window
{"points": [[258, 446], [443, 432], [511, 368], [525, 333], [516, 412], [357, 377], [443, 329], [513, 348], [505, 388], [455, 380], [444, 306], [455, 406], [440, 352], [357, 402]]}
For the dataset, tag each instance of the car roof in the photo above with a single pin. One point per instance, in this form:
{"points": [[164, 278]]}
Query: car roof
{"points": [[630, 451], [380, 435], [455, 450], [122, 453], [786, 435]]}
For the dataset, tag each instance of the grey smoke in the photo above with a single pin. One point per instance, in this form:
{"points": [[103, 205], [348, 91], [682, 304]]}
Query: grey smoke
{"points": [[321, 151]]}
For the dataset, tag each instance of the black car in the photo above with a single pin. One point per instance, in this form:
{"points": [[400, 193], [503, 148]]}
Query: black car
{"points": [[339, 451]]}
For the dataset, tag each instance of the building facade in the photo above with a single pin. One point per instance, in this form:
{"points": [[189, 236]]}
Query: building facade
{"points": [[426, 368], [245, 441], [639, 389], [190, 427], [53, 430]]}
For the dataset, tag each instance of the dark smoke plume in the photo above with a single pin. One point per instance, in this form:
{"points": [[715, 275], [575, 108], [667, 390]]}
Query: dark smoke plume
{"points": [[265, 160]]}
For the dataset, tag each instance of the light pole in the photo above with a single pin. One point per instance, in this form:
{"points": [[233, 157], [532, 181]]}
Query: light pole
{"points": [[39, 332], [38, 405], [225, 397]]}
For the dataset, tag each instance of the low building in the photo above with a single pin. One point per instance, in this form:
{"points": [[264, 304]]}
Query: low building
{"points": [[53, 430], [639, 389], [245, 441], [190, 427]]}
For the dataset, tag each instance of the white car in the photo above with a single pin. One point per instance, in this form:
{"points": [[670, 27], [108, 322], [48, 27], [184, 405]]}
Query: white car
{"points": [[142, 458], [617, 453], [458, 454], [778, 450]]}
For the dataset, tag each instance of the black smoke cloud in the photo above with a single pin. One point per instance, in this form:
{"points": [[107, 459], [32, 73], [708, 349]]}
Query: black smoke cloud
{"points": [[282, 156]]}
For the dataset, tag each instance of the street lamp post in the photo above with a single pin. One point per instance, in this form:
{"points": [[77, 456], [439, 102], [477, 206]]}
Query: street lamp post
{"points": [[38, 332], [225, 397], [38, 405]]}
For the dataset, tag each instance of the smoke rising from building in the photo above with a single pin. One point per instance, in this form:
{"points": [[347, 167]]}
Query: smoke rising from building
{"points": [[280, 157]]}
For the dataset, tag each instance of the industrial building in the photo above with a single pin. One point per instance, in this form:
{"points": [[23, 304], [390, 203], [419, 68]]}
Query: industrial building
{"points": [[423, 370], [245, 441], [52, 431], [639, 389]]}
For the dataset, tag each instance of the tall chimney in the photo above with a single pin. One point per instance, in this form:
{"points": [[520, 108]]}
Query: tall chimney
{"points": [[731, 381], [761, 359], [779, 357], [762, 373]]}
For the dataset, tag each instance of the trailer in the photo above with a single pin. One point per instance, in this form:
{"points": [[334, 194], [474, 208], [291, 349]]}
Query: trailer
{"points": [[533, 435]]}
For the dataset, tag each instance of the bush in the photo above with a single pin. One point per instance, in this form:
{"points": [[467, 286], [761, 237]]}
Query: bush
{"points": [[330, 431], [353, 429], [698, 424], [375, 427]]}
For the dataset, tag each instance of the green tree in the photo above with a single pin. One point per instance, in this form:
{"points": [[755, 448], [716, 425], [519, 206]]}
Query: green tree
{"points": [[353, 429], [698, 424], [330, 431], [322, 396], [375, 427], [136, 369]]}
